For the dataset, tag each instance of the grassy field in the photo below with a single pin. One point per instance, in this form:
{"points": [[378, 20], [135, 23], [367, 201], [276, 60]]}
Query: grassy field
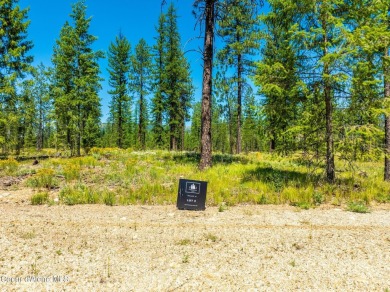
{"points": [[123, 177]]}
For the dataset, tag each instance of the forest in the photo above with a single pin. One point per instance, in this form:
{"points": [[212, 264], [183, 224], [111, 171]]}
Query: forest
{"points": [[308, 78]]}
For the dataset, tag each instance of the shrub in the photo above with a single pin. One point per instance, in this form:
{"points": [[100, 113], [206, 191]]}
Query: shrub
{"points": [[9, 166], [318, 198], [40, 198], [44, 178], [71, 172], [109, 199], [79, 194], [358, 207]]}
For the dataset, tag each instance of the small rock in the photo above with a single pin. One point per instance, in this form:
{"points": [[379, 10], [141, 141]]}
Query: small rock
{"points": [[4, 195]]}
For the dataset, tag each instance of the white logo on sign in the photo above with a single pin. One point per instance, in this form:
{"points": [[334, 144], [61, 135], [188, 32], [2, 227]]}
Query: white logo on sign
{"points": [[192, 187]]}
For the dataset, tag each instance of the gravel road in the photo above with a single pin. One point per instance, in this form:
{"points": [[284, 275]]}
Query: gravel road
{"points": [[159, 248]]}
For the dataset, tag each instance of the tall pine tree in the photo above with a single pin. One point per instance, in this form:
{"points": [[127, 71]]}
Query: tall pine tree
{"points": [[76, 83], [141, 84], [238, 27], [178, 88], [119, 63], [14, 64], [326, 49], [159, 84], [277, 73]]}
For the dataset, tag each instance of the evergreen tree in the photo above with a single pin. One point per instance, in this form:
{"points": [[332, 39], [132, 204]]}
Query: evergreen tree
{"points": [[374, 37], [43, 104], [14, 64], [238, 27], [178, 88], [26, 123], [252, 126], [360, 129], [277, 73], [141, 85], [186, 94], [194, 141], [226, 99], [63, 87], [159, 85], [76, 83], [119, 63], [325, 39]]}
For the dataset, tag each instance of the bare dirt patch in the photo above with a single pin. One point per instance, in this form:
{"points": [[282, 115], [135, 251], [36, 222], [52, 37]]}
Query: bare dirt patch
{"points": [[159, 248]]}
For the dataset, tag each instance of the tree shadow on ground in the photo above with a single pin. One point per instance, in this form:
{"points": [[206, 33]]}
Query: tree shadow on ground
{"points": [[194, 158], [280, 178]]}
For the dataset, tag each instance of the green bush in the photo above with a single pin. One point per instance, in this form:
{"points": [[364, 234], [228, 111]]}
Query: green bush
{"points": [[9, 166], [79, 194], [109, 199], [358, 207], [44, 178], [40, 198]]}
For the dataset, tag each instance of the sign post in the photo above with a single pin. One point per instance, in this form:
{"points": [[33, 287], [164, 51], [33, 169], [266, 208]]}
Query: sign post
{"points": [[191, 195]]}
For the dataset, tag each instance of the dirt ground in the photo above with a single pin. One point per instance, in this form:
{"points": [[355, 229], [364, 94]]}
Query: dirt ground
{"points": [[160, 248]]}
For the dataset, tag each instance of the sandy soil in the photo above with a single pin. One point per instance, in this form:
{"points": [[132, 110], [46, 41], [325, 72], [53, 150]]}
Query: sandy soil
{"points": [[159, 248]]}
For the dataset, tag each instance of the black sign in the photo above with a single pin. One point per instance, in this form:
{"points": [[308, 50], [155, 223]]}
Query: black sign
{"points": [[191, 195]]}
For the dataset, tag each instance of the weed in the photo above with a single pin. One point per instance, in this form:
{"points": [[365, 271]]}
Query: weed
{"points": [[210, 237], [318, 198], [108, 268], [9, 166], [292, 263], [222, 207], [304, 205], [262, 200], [79, 194], [71, 172], [34, 269], [40, 198], [28, 235], [109, 199], [44, 178], [186, 259], [297, 246], [184, 242], [59, 252], [358, 207]]}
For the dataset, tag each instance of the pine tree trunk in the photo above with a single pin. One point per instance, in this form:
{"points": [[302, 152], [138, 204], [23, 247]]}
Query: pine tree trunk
{"points": [[330, 166], [239, 103], [120, 125], [79, 131], [183, 130], [230, 121], [272, 145], [206, 149], [40, 127], [387, 119], [141, 122]]}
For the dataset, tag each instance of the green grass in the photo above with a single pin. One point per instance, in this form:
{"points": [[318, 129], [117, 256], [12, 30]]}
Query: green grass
{"points": [[113, 176], [40, 198], [44, 178], [358, 207], [9, 166]]}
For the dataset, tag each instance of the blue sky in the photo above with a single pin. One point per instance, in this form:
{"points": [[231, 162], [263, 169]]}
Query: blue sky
{"points": [[134, 18]]}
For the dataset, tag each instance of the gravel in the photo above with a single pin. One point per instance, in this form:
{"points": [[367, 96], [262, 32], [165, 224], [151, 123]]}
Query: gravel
{"points": [[160, 248]]}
